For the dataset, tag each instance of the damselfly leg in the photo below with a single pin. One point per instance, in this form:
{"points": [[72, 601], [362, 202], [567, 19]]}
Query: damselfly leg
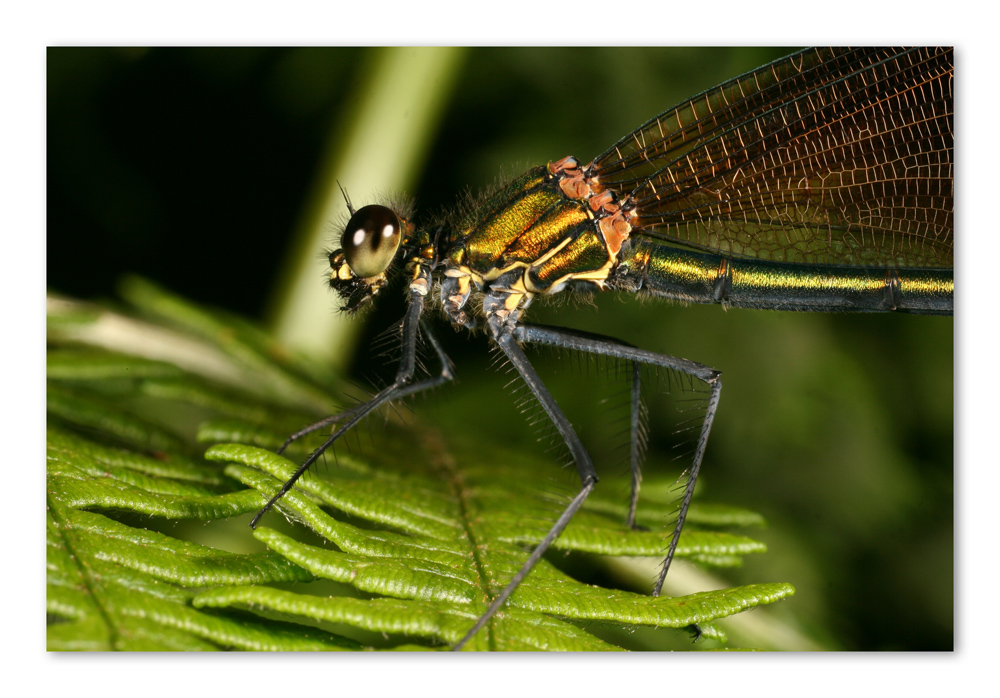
{"points": [[401, 387], [612, 348], [504, 328]]}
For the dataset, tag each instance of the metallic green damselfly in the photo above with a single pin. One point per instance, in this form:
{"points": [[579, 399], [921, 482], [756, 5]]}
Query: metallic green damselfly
{"points": [[820, 182]]}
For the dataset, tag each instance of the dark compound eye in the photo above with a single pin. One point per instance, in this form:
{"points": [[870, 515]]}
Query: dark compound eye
{"points": [[370, 240]]}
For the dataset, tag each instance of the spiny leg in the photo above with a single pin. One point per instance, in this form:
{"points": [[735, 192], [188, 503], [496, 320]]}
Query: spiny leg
{"points": [[400, 387], [605, 346], [635, 452], [588, 476], [699, 453], [421, 385]]}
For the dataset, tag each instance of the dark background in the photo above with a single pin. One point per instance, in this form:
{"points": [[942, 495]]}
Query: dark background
{"points": [[192, 167]]}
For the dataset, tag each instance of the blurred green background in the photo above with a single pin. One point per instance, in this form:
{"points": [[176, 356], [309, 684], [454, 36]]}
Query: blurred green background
{"points": [[204, 169]]}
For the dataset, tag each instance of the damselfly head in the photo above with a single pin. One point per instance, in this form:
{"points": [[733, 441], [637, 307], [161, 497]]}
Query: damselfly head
{"points": [[370, 242]]}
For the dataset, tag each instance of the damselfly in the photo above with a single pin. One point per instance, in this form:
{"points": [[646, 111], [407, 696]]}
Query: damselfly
{"points": [[820, 182]]}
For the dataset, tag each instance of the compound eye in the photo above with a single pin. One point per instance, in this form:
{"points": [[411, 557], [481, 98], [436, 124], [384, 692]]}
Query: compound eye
{"points": [[370, 240]]}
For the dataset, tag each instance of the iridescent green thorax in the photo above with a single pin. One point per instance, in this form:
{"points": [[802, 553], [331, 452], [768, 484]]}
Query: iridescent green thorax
{"points": [[534, 235]]}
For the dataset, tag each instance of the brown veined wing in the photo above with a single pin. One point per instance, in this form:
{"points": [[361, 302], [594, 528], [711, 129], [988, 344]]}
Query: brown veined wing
{"points": [[828, 156]]}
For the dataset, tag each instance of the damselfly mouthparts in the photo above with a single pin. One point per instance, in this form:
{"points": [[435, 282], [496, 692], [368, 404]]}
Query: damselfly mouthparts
{"points": [[820, 182]]}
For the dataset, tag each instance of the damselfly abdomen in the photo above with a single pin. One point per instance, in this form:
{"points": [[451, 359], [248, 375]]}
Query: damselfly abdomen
{"points": [[820, 182]]}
